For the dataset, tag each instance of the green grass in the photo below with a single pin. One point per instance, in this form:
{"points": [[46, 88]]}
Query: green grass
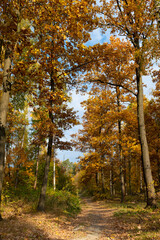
{"points": [[141, 223]]}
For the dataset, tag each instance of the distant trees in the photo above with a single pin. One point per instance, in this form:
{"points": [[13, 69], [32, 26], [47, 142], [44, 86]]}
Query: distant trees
{"points": [[102, 164]]}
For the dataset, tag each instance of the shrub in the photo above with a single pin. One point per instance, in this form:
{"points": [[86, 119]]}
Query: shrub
{"points": [[63, 201]]}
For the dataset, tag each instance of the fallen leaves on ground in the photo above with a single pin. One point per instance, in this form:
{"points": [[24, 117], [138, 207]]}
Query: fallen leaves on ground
{"points": [[97, 221]]}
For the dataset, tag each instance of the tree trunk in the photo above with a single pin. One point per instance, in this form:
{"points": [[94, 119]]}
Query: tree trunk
{"points": [[129, 174], [41, 204], [158, 165], [158, 170], [2, 156], [37, 166], [141, 179], [111, 180], [151, 197], [97, 179], [54, 170], [17, 178], [120, 148], [102, 179], [3, 114], [125, 176], [158, 18]]}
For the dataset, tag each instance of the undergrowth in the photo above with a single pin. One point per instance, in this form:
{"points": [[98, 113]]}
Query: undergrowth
{"points": [[25, 199], [63, 201], [141, 223]]}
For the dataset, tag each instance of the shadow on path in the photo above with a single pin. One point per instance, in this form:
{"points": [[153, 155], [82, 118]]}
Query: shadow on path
{"points": [[38, 226], [97, 222]]}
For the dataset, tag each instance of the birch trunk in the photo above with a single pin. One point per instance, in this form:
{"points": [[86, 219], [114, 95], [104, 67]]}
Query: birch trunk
{"points": [[54, 170], [3, 115]]}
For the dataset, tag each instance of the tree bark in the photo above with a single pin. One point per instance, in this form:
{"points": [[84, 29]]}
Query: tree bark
{"points": [[41, 204], [3, 115], [129, 174], [111, 180], [54, 169], [97, 179], [16, 178], [151, 196], [141, 179], [102, 179], [37, 166], [120, 148]]}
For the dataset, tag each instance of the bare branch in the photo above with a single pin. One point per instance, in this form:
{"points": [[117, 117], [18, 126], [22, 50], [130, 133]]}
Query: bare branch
{"points": [[114, 85]]}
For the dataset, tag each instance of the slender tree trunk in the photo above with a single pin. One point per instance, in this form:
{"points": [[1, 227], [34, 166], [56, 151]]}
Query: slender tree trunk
{"points": [[111, 181], [41, 204], [151, 196], [102, 179], [129, 175], [6, 155], [158, 17], [3, 115], [120, 148], [37, 166], [54, 170], [122, 184], [16, 179], [9, 172], [2, 153], [1, 45], [158, 165], [158, 170], [97, 179], [125, 177]]}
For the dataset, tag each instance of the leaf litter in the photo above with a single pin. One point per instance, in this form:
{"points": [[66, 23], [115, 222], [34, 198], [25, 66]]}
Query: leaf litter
{"points": [[96, 221]]}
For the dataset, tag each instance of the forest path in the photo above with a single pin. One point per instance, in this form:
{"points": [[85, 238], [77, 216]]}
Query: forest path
{"points": [[96, 222]]}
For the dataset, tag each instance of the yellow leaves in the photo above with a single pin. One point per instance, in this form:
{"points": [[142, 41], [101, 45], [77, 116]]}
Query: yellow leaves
{"points": [[23, 25]]}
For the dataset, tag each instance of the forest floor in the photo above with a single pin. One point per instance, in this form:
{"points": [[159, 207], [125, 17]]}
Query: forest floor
{"points": [[98, 220]]}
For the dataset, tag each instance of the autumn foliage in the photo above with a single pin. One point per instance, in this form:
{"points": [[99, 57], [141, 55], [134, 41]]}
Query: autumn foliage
{"points": [[44, 54]]}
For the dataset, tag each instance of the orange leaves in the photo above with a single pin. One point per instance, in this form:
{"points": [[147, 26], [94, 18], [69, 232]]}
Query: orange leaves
{"points": [[134, 20]]}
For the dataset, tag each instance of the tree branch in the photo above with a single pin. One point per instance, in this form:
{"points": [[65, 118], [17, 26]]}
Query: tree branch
{"points": [[114, 85]]}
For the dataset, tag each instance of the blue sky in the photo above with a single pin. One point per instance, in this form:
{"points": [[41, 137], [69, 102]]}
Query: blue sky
{"points": [[96, 37]]}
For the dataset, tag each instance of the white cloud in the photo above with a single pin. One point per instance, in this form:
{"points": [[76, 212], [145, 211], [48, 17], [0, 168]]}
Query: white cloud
{"points": [[76, 102]]}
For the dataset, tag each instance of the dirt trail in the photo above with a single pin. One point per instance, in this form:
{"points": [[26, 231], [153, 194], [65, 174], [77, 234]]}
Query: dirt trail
{"points": [[96, 222]]}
